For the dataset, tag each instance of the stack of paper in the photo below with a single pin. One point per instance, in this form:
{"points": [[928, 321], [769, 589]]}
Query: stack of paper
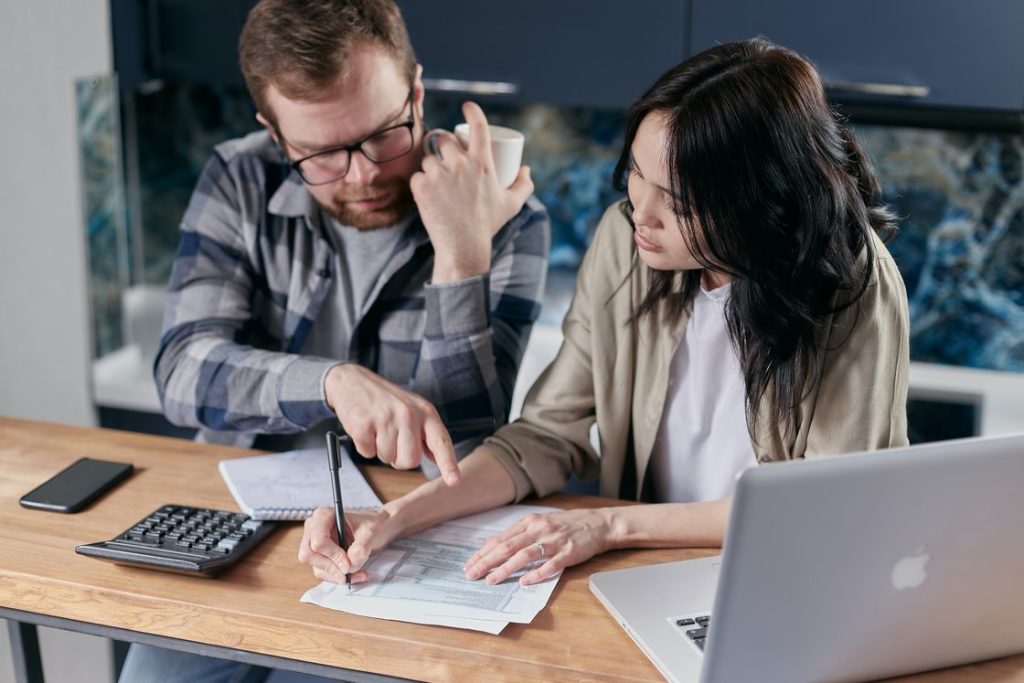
{"points": [[420, 579]]}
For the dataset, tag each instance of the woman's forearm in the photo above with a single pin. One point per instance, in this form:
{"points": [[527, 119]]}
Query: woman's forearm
{"points": [[485, 484], [669, 525]]}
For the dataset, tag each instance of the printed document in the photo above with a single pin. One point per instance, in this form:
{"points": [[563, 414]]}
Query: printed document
{"points": [[420, 579]]}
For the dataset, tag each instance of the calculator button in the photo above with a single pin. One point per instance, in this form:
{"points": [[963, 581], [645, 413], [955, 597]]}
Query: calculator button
{"points": [[191, 540]]}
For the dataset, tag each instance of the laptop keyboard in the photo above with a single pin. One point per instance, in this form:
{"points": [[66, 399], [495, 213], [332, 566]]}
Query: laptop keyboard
{"points": [[694, 628]]}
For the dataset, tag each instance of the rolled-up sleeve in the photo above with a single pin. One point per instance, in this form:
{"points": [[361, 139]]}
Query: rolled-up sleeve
{"points": [[551, 440]]}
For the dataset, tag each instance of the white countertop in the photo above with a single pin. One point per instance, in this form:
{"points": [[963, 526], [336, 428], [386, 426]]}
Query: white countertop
{"points": [[999, 395], [123, 380]]}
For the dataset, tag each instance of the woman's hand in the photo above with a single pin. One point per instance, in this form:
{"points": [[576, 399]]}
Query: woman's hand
{"points": [[369, 531], [565, 538]]}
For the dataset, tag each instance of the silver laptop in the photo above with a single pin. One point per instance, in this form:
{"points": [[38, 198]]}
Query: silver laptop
{"points": [[848, 568]]}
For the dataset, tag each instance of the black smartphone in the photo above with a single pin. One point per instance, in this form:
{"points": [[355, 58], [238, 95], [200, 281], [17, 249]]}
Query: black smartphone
{"points": [[77, 485]]}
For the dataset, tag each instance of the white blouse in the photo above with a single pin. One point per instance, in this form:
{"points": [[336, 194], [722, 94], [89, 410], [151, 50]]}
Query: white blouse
{"points": [[703, 443]]}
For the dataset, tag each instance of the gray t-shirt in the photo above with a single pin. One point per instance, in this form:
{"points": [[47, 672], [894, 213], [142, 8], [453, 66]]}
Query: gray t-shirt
{"points": [[360, 259]]}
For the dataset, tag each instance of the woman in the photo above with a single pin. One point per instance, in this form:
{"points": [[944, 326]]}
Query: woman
{"points": [[738, 309]]}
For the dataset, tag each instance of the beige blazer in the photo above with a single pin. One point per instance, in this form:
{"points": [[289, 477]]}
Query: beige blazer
{"points": [[616, 373]]}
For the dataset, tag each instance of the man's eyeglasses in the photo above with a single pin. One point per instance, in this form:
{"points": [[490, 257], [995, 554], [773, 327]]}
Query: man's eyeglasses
{"points": [[384, 145]]}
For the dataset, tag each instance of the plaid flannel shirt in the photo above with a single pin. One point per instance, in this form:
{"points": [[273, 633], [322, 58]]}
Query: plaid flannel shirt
{"points": [[252, 270]]}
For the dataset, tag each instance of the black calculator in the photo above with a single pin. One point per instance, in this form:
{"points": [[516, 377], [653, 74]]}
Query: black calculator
{"points": [[188, 540]]}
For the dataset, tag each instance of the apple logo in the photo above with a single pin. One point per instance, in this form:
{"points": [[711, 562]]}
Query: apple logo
{"points": [[910, 572]]}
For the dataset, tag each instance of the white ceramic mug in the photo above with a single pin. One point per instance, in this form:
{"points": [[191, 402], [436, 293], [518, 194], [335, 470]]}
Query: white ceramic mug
{"points": [[506, 148]]}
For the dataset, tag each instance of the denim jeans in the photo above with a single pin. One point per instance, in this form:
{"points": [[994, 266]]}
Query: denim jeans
{"points": [[149, 664]]}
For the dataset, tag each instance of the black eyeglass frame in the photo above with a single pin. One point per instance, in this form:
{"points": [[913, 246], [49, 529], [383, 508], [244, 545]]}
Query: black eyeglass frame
{"points": [[358, 147]]}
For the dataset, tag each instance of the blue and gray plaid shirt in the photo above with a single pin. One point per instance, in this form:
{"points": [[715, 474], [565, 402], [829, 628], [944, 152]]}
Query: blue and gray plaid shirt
{"points": [[252, 270]]}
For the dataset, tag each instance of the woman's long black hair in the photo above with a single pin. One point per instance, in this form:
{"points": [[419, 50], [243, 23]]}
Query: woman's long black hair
{"points": [[774, 191]]}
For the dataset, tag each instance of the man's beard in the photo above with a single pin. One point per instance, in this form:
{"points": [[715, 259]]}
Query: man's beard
{"points": [[399, 206]]}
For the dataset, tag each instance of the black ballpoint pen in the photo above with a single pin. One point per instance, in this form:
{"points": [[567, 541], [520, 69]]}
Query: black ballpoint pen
{"points": [[334, 462]]}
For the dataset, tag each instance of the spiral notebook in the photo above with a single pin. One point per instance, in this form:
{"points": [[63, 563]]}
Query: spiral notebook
{"points": [[291, 485]]}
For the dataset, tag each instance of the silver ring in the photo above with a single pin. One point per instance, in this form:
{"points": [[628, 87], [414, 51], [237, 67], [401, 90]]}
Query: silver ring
{"points": [[540, 547]]}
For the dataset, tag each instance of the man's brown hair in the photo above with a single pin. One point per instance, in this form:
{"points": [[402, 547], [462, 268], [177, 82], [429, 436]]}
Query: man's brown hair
{"points": [[301, 46]]}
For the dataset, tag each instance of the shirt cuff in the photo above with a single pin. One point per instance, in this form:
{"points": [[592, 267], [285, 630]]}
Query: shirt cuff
{"points": [[507, 457], [300, 392], [458, 309]]}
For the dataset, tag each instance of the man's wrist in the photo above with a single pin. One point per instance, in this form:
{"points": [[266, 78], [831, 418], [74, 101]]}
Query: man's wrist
{"points": [[464, 259], [453, 270], [337, 374]]}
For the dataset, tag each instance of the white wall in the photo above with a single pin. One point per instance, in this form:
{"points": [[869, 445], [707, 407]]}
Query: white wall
{"points": [[45, 349]]}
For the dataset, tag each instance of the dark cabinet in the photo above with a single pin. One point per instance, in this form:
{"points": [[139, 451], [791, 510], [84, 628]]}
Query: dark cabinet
{"points": [[600, 53], [926, 53], [604, 53], [183, 41]]}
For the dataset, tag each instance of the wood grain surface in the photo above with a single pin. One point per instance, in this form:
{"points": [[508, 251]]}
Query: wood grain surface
{"points": [[255, 605]]}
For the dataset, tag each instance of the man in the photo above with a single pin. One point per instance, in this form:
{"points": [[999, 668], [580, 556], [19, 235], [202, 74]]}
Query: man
{"points": [[328, 271]]}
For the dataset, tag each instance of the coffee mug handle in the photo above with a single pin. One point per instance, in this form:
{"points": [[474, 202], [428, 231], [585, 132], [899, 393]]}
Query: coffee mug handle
{"points": [[430, 140]]}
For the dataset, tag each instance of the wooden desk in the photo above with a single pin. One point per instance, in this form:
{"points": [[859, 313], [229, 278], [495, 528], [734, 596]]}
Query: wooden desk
{"points": [[252, 612]]}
